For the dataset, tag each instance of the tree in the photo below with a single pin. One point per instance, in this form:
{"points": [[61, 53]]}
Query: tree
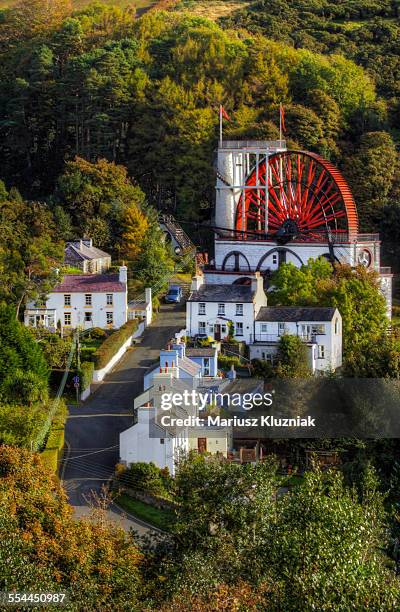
{"points": [[357, 296], [293, 359], [42, 547], [371, 172], [135, 226], [154, 264], [23, 369], [97, 196]]}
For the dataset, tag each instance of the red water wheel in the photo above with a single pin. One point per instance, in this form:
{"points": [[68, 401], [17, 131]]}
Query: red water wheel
{"points": [[305, 193]]}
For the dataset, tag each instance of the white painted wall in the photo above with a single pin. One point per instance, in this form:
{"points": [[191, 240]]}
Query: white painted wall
{"points": [[98, 309], [212, 318], [268, 336]]}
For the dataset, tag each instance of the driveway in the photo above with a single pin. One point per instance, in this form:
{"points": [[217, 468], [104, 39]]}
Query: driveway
{"points": [[92, 429]]}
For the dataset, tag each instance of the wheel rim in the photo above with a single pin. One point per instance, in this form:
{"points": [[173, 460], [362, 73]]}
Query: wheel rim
{"points": [[303, 188]]}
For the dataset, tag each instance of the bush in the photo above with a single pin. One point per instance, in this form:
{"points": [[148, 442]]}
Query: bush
{"points": [[49, 458], [86, 374], [145, 477], [225, 362], [55, 439], [97, 333], [113, 343]]}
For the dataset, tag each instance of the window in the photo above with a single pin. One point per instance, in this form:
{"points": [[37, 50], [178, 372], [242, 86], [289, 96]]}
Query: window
{"points": [[88, 299], [67, 299], [202, 328], [268, 357], [318, 329], [67, 318], [223, 329], [202, 308], [161, 440], [239, 329], [336, 326], [109, 299], [239, 310], [281, 329], [88, 317], [264, 328], [221, 309], [206, 366], [274, 259], [321, 351], [109, 318]]}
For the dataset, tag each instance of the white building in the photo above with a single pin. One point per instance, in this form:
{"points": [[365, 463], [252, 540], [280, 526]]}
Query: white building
{"points": [[142, 309], [82, 254], [86, 301], [275, 206], [150, 440], [319, 328], [212, 308]]}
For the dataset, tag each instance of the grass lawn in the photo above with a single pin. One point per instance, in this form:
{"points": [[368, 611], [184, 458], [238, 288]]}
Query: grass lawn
{"points": [[212, 9], [162, 519]]}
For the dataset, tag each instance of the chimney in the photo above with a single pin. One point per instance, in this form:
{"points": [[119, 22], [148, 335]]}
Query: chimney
{"points": [[88, 242], [257, 282], [147, 293], [123, 274], [197, 282]]}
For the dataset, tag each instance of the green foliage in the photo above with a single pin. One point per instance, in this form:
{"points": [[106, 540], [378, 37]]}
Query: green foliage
{"points": [[97, 196], [55, 349], [86, 374], [154, 264], [146, 477], [55, 439], [49, 459], [293, 361], [226, 361], [355, 293], [20, 425], [113, 343], [23, 369]]}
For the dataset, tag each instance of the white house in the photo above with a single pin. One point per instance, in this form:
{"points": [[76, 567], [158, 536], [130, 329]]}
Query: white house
{"points": [[212, 308], [142, 309], [151, 439], [319, 328], [82, 254], [83, 300]]}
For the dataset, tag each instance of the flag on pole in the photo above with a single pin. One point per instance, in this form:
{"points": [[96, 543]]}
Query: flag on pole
{"points": [[282, 119], [222, 114]]}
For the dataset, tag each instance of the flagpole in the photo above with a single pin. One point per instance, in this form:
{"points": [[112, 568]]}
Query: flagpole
{"points": [[280, 122], [220, 125]]}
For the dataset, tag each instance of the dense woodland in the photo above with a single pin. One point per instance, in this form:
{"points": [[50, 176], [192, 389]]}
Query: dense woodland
{"points": [[106, 119]]}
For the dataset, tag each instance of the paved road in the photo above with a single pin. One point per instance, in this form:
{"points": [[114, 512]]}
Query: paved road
{"points": [[97, 423]]}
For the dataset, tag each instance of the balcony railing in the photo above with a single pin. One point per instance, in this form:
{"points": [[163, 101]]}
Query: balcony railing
{"points": [[275, 338], [316, 237]]}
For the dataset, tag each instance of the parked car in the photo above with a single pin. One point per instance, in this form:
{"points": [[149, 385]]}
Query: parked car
{"points": [[174, 295]]}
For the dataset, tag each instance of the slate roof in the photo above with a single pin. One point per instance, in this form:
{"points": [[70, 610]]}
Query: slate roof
{"points": [[222, 293], [90, 283], [189, 366], [86, 252], [283, 314], [200, 352]]}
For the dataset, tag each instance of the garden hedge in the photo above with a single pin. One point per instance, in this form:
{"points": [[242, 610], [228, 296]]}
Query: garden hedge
{"points": [[55, 439], [50, 458], [113, 343], [86, 374]]}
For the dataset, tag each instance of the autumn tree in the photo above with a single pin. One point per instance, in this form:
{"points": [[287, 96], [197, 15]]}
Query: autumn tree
{"points": [[97, 197], [135, 227]]}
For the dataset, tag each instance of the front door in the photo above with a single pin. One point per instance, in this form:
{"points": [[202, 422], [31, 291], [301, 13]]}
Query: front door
{"points": [[202, 445], [217, 332]]}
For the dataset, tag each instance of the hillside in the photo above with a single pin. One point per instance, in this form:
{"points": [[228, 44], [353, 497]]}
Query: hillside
{"points": [[140, 5]]}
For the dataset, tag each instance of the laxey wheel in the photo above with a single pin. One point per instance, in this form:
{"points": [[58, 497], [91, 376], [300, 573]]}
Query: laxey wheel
{"points": [[308, 199]]}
